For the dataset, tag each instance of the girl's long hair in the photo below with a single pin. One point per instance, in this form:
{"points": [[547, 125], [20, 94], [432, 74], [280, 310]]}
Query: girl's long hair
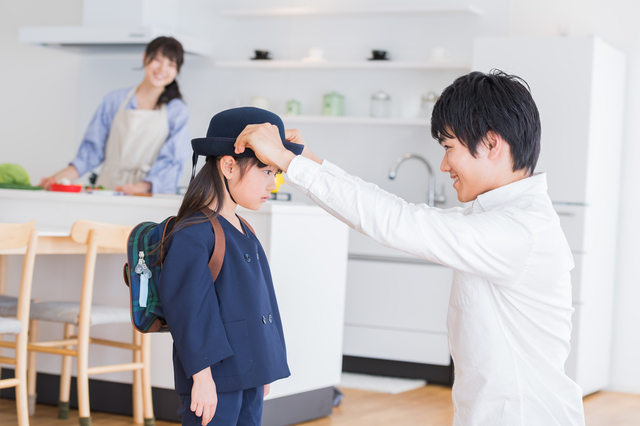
{"points": [[171, 49], [205, 190]]}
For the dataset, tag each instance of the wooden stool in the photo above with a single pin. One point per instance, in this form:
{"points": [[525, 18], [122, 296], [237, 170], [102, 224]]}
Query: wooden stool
{"points": [[16, 239], [83, 315]]}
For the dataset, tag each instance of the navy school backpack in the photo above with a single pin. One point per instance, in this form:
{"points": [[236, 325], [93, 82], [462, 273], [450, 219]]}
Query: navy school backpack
{"points": [[143, 279]]}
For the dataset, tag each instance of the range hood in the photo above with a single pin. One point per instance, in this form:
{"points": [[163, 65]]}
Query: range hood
{"points": [[108, 36], [118, 22]]}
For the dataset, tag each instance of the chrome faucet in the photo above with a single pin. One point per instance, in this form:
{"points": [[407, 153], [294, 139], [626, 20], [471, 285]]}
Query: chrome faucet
{"points": [[432, 197]]}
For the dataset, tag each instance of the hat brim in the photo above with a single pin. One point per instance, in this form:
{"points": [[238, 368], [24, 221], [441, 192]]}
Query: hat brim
{"points": [[226, 146]]}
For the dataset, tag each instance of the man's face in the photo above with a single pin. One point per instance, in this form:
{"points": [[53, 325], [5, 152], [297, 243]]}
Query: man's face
{"points": [[470, 174]]}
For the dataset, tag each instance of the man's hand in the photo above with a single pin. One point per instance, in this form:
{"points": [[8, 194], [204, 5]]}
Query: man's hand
{"points": [[264, 140], [204, 398], [267, 389], [293, 135]]}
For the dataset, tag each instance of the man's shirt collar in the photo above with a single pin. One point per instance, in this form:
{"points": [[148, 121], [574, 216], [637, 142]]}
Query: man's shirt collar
{"points": [[500, 196]]}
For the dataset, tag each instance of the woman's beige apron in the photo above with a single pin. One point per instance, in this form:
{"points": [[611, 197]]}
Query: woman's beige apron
{"points": [[135, 139]]}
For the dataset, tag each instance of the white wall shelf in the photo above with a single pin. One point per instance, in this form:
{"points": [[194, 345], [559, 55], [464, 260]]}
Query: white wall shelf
{"points": [[355, 12], [378, 65], [326, 119]]}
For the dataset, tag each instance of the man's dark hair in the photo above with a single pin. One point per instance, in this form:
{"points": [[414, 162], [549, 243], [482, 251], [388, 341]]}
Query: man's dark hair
{"points": [[477, 103]]}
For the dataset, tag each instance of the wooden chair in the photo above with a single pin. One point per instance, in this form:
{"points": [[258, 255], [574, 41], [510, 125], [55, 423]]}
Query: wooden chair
{"points": [[83, 315], [16, 239]]}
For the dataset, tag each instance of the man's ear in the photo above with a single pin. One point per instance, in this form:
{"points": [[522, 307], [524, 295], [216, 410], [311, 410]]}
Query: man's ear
{"points": [[495, 144], [227, 166]]}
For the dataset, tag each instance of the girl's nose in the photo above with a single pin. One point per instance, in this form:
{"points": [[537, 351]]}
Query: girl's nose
{"points": [[271, 185]]}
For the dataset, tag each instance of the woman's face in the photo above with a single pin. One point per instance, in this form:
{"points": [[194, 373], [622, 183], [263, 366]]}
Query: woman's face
{"points": [[160, 70], [254, 188]]}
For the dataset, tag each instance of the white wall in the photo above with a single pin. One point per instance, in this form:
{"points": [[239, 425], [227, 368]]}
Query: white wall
{"points": [[38, 110], [616, 22]]}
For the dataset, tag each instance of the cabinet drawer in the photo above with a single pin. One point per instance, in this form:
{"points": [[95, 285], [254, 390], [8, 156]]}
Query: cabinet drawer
{"points": [[396, 345], [411, 297], [364, 245]]}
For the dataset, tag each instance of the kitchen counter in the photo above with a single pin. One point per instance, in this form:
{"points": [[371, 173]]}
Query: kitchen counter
{"points": [[300, 241]]}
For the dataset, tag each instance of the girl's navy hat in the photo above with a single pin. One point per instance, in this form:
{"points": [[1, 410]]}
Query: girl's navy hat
{"points": [[227, 125]]}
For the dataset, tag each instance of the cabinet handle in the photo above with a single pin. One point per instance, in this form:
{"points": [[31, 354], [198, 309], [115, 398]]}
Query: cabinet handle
{"points": [[570, 214], [390, 259]]}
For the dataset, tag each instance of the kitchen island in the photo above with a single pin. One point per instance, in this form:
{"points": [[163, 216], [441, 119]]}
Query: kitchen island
{"points": [[307, 251]]}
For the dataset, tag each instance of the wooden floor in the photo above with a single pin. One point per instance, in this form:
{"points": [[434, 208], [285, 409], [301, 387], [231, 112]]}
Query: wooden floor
{"points": [[427, 406]]}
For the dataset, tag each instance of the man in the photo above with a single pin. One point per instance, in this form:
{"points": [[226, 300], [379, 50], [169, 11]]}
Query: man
{"points": [[509, 319]]}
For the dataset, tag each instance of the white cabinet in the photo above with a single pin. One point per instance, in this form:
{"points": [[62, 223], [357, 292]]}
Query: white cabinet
{"points": [[396, 305], [578, 85], [397, 311]]}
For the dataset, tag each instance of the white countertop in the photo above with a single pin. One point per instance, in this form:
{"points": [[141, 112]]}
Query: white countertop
{"points": [[71, 197], [157, 200]]}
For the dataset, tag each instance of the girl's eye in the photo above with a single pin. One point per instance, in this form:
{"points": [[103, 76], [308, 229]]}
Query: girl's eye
{"points": [[268, 172]]}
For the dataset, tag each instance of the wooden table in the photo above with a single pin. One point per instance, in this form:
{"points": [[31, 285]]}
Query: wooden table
{"points": [[50, 241]]}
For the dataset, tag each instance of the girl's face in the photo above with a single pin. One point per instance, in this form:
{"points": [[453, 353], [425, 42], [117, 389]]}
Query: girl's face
{"points": [[160, 70], [254, 188]]}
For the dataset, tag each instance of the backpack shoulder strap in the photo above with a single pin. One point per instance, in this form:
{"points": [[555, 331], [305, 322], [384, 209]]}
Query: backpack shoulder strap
{"points": [[247, 224], [215, 263]]}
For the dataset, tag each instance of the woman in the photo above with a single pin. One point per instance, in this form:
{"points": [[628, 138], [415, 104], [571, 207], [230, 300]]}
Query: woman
{"points": [[140, 134]]}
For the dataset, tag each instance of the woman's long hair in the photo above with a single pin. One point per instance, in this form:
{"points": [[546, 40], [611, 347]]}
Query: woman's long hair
{"points": [[205, 190], [171, 49]]}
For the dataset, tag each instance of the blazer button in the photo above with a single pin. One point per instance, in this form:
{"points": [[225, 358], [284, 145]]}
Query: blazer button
{"points": [[270, 319], [247, 258], [264, 320]]}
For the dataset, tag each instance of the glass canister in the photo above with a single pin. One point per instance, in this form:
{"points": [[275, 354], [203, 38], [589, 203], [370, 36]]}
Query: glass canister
{"points": [[259, 102], [333, 104], [293, 107], [380, 104], [426, 106]]}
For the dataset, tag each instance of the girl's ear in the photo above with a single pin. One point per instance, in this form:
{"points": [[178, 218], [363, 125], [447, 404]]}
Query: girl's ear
{"points": [[228, 165]]}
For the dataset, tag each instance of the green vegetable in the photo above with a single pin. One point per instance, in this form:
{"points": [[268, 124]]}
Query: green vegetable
{"points": [[14, 174]]}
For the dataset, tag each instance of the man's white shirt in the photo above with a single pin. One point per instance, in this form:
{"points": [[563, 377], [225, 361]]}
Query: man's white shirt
{"points": [[509, 318]]}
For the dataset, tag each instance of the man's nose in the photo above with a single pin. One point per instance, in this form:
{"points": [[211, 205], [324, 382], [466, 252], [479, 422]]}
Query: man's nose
{"points": [[444, 166]]}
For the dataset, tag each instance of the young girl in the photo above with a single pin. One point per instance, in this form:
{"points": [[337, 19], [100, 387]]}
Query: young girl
{"points": [[139, 134], [228, 339]]}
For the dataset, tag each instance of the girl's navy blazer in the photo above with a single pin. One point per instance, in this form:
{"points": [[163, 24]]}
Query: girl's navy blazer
{"points": [[232, 325]]}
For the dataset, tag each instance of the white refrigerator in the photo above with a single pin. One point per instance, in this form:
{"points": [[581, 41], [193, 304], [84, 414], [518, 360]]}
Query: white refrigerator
{"points": [[578, 85]]}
